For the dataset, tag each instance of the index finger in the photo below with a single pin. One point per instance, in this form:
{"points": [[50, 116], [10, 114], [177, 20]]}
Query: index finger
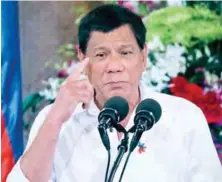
{"points": [[77, 72]]}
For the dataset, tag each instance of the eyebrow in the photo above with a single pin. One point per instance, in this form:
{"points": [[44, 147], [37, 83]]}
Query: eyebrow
{"points": [[99, 48], [127, 46], [121, 47]]}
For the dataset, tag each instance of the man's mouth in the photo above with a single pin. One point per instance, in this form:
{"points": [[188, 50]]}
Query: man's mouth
{"points": [[116, 83]]}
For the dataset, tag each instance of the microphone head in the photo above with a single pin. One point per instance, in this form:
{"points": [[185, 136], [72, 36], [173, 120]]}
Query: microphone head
{"points": [[149, 106], [119, 104]]}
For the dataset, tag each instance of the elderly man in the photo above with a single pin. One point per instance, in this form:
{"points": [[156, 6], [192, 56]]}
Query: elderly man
{"points": [[64, 143]]}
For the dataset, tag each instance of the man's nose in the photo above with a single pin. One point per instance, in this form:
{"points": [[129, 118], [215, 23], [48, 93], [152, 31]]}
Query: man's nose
{"points": [[115, 64]]}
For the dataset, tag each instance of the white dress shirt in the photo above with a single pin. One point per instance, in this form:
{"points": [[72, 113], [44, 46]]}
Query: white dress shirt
{"points": [[178, 148]]}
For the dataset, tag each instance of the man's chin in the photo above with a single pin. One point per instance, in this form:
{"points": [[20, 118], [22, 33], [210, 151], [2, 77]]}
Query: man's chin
{"points": [[117, 92]]}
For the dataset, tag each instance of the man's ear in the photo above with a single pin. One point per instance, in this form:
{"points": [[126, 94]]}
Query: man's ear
{"points": [[144, 54], [80, 55]]}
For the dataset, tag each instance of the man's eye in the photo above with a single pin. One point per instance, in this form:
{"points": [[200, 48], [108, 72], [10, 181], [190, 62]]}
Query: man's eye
{"points": [[126, 53], [100, 55]]}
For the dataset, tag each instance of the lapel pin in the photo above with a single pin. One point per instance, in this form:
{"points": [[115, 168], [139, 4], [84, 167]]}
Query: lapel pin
{"points": [[142, 147]]}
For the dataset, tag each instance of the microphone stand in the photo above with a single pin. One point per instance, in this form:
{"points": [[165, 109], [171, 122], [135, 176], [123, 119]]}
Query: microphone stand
{"points": [[136, 137], [122, 148]]}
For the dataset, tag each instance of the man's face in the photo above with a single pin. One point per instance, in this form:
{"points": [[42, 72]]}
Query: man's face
{"points": [[116, 63]]}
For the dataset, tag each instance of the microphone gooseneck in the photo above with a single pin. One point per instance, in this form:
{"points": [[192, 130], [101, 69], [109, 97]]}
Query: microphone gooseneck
{"points": [[114, 110], [148, 113]]}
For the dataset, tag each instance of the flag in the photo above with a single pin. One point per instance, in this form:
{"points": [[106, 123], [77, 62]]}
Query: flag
{"points": [[11, 108]]}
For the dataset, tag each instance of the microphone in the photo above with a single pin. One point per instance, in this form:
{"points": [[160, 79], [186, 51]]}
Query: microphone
{"points": [[148, 113], [114, 110]]}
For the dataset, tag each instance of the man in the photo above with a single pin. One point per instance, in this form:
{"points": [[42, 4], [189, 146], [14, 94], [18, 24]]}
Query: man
{"points": [[64, 143]]}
